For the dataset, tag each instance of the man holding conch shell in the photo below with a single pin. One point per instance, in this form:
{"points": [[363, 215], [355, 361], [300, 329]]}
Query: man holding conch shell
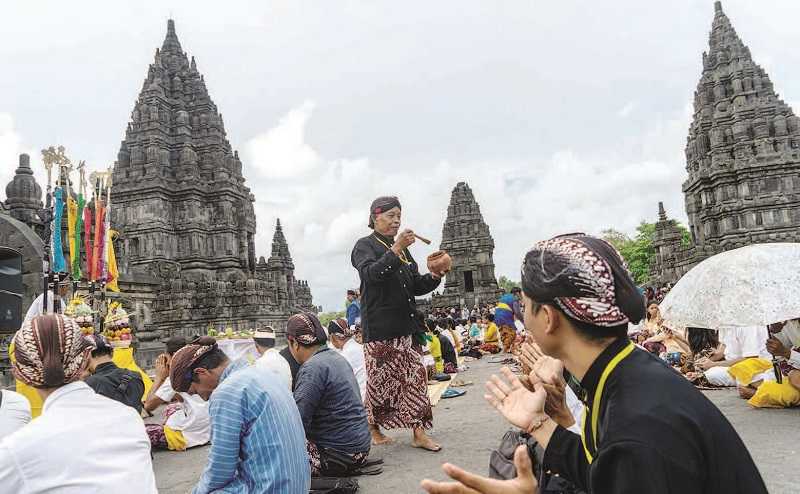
{"points": [[397, 392]]}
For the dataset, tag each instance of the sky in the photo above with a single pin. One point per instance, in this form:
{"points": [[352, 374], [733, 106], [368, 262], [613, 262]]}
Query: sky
{"points": [[562, 116]]}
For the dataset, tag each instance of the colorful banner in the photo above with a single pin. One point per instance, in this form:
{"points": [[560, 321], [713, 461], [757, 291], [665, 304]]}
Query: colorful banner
{"points": [[99, 241], [59, 263], [75, 237], [87, 239], [113, 272]]}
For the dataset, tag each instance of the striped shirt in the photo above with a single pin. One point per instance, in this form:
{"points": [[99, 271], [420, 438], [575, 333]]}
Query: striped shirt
{"points": [[257, 438]]}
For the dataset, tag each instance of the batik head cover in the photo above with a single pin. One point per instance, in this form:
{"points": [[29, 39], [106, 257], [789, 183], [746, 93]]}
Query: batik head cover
{"points": [[585, 277], [381, 205], [306, 329], [180, 371], [50, 351], [340, 326]]}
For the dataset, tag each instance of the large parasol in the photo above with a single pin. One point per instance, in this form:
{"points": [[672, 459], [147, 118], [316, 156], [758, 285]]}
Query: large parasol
{"points": [[755, 285]]}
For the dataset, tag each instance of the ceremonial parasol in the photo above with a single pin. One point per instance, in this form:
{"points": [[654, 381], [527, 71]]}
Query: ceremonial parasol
{"points": [[751, 286]]}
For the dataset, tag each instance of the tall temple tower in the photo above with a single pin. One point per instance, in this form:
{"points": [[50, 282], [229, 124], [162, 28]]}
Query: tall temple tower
{"points": [[178, 190], [24, 194], [742, 157], [466, 237], [185, 215]]}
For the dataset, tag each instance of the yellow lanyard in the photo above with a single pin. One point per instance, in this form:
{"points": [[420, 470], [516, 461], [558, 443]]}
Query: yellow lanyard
{"points": [[402, 255], [598, 394]]}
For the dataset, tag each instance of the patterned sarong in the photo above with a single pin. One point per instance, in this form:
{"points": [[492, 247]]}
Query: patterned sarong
{"points": [[397, 386]]}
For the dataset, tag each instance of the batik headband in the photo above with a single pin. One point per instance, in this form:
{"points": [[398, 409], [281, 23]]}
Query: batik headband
{"points": [[585, 277], [381, 205], [50, 351], [180, 372], [305, 328]]}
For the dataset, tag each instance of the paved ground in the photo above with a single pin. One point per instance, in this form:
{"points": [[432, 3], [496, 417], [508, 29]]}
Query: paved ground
{"points": [[469, 429]]}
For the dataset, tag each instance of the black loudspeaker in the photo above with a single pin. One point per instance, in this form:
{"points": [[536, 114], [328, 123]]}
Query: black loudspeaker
{"points": [[10, 290]]}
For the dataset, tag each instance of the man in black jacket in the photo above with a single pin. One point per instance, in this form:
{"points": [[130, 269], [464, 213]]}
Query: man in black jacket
{"points": [[107, 379], [397, 394], [646, 429]]}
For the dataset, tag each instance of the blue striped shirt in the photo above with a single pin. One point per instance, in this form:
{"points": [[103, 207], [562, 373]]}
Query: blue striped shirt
{"points": [[257, 438]]}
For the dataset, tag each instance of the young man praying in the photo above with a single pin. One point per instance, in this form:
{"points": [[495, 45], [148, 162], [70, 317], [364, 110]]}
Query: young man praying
{"points": [[257, 441], [646, 427]]}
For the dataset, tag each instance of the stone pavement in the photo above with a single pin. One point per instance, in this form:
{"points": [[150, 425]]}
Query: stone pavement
{"points": [[469, 429]]}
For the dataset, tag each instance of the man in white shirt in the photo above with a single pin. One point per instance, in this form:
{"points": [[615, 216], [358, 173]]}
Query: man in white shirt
{"points": [[37, 306], [15, 412], [270, 358], [739, 344], [341, 337], [83, 442]]}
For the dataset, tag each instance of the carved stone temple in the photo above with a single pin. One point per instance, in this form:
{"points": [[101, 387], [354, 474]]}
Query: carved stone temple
{"points": [[466, 237], [185, 218], [742, 158]]}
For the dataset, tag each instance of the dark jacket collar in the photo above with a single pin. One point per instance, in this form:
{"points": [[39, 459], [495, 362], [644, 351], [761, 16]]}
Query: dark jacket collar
{"points": [[105, 368], [388, 241], [592, 378]]}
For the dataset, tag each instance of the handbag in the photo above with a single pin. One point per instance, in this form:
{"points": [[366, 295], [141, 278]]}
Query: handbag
{"points": [[501, 464], [333, 485]]}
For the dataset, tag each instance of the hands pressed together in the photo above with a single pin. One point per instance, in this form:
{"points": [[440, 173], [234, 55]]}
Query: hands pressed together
{"points": [[525, 402]]}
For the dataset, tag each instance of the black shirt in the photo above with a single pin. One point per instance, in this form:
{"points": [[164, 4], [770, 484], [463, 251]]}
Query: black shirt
{"points": [[656, 433], [448, 352], [389, 286], [118, 384]]}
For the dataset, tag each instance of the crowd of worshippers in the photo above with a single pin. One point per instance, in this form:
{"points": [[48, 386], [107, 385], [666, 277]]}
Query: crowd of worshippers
{"points": [[273, 423], [762, 362]]}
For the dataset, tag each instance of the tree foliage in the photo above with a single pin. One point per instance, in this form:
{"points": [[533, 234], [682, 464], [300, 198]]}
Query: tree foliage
{"points": [[327, 317], [506, 284], [638, 251]]}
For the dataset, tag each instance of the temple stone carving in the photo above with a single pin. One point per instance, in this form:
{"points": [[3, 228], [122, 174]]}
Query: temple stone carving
{"points": [[466, 237], [185, 215], [742, 159], [24, 195]]}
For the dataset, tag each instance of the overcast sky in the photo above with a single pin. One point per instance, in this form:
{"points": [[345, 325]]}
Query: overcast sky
{"points": [[562, 116]]}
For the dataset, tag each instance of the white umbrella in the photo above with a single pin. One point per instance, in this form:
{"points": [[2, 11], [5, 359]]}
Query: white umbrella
{"points": [[755, 285]]}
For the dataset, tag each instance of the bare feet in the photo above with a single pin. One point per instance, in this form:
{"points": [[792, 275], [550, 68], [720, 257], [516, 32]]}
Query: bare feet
{"points": [[746, 392], [424, 441], [378, 437]]}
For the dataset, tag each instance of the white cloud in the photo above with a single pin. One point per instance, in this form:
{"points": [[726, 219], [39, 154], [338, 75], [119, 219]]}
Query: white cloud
{"points": [[324, 212], [9, 150], [626, 110], [281, 152]]}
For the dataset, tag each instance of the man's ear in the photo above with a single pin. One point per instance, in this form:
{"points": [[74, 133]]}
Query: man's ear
{"points": [[201, 371], [552, 319]]}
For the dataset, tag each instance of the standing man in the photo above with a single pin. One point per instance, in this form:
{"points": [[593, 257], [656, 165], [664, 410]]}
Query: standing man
{"points": [[257, 440], [353, 308], [646, 427], [397, 391], [37, 306]]}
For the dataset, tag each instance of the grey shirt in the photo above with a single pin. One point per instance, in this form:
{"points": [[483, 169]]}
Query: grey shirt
{"points": [[327, 395]]}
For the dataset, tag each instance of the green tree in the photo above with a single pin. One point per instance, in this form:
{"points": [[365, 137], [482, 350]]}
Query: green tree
{"points": [[506, 284], [327, 317], [638, 251]]}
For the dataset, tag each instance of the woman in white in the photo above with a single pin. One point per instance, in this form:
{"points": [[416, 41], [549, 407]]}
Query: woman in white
{"points": [[341, 336], [83, 443]]}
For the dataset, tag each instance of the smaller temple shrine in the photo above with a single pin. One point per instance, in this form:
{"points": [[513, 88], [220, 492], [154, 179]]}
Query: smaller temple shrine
{"points": [[466, 237]]}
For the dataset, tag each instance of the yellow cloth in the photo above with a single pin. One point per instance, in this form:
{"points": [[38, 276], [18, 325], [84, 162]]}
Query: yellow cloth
{"points": [[747, 369], [175, 439], [773, 395], [123, 357], [456, 340], [491, 334], [72, 219], [113, 272], [436, 352]]}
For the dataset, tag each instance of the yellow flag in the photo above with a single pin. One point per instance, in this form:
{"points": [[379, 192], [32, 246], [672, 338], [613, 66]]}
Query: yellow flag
{"points": [[113, 273], [72, 219]]}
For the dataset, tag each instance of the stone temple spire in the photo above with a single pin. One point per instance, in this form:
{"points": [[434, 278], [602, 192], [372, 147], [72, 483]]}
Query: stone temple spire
{"points": [[23, 193], [178, 186], [466, 237], [280, 248]]}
